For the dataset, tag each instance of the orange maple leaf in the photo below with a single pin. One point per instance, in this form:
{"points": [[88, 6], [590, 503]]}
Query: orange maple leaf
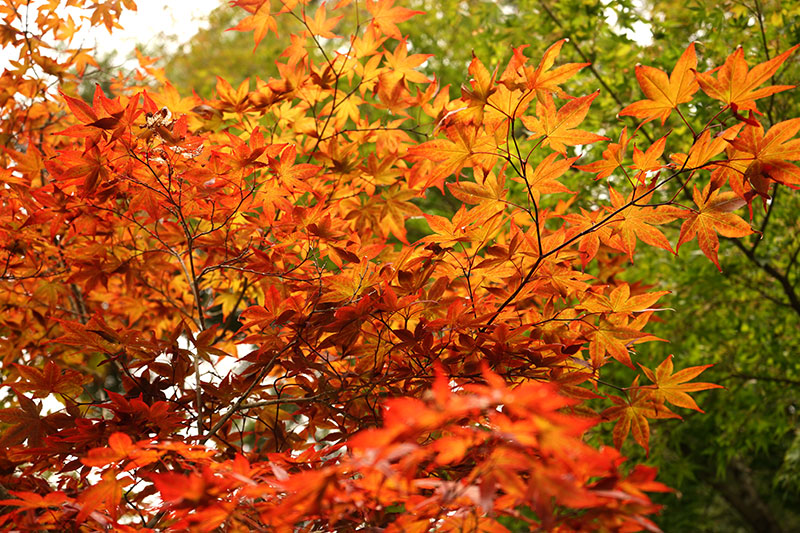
{"points": [[321, 25], [637, 222], [385, 16], [612, 158], [713, 216], [543, 77], [615, 337], [260, 22], [559, 127], [664, 93], [672, 388], [477, 93], [621, 301], [771, 153], [543, 179], [706, 147], [402, 65], [649, 160], [465, 146], [395, 210], [736, 86], [632, 413]]}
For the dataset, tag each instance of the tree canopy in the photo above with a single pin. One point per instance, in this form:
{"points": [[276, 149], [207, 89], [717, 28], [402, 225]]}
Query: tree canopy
{"points": [[388, 282]]}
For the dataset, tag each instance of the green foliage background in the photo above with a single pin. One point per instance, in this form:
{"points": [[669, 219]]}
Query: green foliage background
{"points": [[737, 467]]}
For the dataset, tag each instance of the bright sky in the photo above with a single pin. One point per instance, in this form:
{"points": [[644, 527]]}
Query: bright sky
{"points": [[153, 18]]}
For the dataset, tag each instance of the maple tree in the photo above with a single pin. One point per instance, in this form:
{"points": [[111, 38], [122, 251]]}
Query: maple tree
{"points": [[223, 295]]}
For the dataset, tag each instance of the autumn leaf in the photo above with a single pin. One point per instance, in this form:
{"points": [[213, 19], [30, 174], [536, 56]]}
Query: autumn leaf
{"points": [[292, 176], [104, 495], [50, 380], [465, 146], [260, 21], [386, 16], [615, 336], [772, 152], [121, 447], [632, 414], [464, 226], [706, 147], [621, 301], [321, 25], [737, 86], [24, 500], [672, 388], [637, 222], [26, 423], [492, 189], [80, 109], [477, 94], [713, 215], [396, 208], [648, 160], [664, 93], [404, 66], [542, 78], [544, 178], [560, 127], [612, 157]]}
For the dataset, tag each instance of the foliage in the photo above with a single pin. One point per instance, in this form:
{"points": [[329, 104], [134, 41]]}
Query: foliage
{"points": [[224, 298]]}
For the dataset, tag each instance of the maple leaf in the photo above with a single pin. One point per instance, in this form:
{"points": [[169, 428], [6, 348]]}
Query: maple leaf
{"points": [[612, 158], [637, 222], [632, 414], [615, 336], [236, 99], [477, 94], [293, 177], [104, 495], [559, 128], [464, 227], [543, 78], [89, 169], [395, 210], [26, 421], [713, 215], [664, 93], [621, 301], [260, 21], [736, 86], [465, 145], [705, 147], [321, 25], [672, 388], [544, 178], [50, 380], [80, 109], [29, 163], [771, 153], [402, 65], [492, 189], [121, 447], [649, 160], [385, 16]]}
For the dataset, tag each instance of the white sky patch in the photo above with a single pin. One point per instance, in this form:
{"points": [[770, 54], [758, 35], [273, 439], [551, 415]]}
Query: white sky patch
{"points": [[640, 32], [153, 20], [152, 23]]}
